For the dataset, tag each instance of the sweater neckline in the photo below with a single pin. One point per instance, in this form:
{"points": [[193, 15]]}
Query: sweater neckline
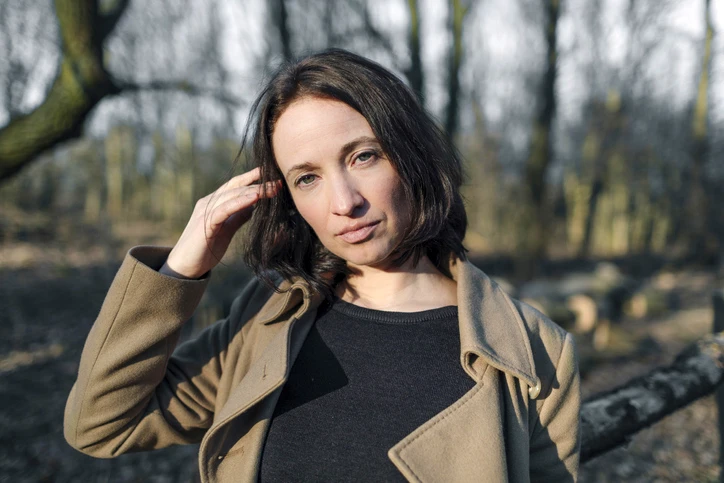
{"points": [[389, 317]]}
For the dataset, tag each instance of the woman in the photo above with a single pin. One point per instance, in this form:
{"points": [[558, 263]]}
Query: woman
{"points": [[367, 349]]}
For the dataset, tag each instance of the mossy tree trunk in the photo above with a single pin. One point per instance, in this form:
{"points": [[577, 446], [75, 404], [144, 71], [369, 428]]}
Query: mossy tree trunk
{"points": [[81, 82]]}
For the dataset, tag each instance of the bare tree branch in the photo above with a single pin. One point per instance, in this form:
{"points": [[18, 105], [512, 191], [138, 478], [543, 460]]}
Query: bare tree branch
{"points": [[181, 86], [109, 17], [370, 29]]}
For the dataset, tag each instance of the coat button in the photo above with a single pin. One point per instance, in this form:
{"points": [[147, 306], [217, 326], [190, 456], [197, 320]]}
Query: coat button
{"points": [[534, 391], [220, 457]]}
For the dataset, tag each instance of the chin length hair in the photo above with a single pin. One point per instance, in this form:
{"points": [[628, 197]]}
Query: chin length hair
{"points": [[279, 240]]}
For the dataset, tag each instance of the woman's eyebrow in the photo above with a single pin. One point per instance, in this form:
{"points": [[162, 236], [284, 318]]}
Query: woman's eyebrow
{"points": [[356, 142], [300, 167], [346, 149]]}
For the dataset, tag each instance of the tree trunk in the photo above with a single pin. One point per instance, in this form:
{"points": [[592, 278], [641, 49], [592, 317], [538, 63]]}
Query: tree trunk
{"points": [[414, 73], [541, 151], [82, 81], [280, 19], [457, 16], [698, 203], [599, 158]]}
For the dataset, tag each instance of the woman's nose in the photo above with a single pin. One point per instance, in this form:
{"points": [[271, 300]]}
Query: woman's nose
{"points": [[345, 197]]}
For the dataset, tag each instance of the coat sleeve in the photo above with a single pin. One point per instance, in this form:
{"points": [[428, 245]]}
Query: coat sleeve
{"points": [[133, 392], [555, 441]]}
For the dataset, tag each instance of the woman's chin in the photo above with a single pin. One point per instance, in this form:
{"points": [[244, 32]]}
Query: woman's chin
{"points": [[378, 261], [373, 253]]}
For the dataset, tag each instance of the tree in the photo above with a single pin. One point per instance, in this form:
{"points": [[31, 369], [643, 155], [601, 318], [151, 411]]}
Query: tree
{"points": [[458, 12], [81, 83], [414, 73], [697, 219], [541, 149], [281, 22]]}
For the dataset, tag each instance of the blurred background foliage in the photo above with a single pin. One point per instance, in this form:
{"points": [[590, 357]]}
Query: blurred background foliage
{"points": [[588, 128]]}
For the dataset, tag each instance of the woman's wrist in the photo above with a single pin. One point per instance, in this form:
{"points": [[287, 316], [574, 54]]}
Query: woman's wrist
{"points": [[166, 270]]}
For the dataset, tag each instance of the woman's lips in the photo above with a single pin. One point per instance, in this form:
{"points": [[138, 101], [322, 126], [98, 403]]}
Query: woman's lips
{"points": [[358, 235]]}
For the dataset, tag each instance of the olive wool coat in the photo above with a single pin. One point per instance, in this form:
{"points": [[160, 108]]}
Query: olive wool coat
{"points": [[136, 391]]}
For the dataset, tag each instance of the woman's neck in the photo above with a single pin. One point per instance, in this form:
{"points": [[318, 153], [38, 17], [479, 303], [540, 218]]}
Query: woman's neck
{"points": [[400, 289]]}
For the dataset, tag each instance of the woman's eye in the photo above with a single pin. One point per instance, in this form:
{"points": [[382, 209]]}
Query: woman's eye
{"points": [[366, 156], [305, 180]]}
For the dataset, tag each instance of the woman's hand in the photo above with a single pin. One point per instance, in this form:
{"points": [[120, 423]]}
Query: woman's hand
{"points": [[214, 221]]}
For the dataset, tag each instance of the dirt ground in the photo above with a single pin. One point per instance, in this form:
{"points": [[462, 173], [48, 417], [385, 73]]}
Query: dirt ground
{"points": [[50, 297]]}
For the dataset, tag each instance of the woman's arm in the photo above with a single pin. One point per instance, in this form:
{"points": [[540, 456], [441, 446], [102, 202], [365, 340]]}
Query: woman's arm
{"points": [[555, 441], [131, 393]]}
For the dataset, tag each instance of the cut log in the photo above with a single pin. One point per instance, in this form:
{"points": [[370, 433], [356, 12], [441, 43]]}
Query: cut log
{"points": [[611, 419], [583, 302], [555, 309], [585, 310], [602, 334], [606, 286], [649, 302]]}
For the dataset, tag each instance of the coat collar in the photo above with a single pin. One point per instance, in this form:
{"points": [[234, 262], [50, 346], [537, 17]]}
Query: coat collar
{"points": [[492, 330], [491, 327]]}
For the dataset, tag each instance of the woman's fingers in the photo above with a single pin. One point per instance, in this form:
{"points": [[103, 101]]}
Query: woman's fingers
{"points": [[236, 201], [244, 196], [244, 179], [215, 219]]}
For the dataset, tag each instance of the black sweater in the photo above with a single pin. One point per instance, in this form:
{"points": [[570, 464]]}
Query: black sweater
{"points": [[363, 380]]}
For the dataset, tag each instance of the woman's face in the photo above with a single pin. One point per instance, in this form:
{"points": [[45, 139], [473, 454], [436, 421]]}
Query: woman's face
{"points": [[340, 180]]}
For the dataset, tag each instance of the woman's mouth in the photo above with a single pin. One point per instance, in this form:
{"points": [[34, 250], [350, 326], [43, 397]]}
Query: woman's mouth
{"points": [[360, 234]]}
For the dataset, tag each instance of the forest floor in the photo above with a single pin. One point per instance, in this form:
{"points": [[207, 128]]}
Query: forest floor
{"points": [[51, 293], [685, 445]]}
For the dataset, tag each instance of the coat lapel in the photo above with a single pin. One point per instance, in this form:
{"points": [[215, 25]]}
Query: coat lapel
{"points": [[270, 370], [449, 447], [265, 375]]}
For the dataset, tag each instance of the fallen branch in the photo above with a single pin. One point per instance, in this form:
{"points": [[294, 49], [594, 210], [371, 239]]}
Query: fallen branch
{"points": [[610, 419]]}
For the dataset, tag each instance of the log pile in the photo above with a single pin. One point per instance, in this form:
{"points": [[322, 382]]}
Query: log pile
{"points": [[583, 302]]}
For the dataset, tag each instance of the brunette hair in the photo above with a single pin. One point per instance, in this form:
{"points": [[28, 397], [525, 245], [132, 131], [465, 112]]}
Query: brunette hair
{"points": [[278, 238]]}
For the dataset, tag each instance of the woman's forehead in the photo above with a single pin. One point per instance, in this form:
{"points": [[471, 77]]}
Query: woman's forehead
{"points": [[314, 127]]}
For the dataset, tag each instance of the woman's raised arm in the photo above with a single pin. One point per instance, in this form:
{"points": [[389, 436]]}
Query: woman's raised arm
{"points": [[132, 393]]}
